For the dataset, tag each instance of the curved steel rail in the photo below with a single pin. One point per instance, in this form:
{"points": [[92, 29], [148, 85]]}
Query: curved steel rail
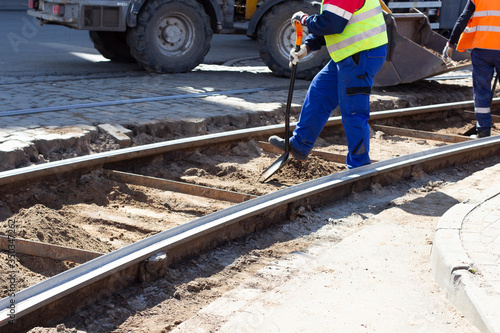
{"points": [[99, 159]]}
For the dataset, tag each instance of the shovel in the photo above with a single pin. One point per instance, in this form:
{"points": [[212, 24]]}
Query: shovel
{"points": [[280, 162]]}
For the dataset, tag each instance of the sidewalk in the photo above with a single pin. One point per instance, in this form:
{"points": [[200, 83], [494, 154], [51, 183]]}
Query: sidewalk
{"points": [[466, 258]]}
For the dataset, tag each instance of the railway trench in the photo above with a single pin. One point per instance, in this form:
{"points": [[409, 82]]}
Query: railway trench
{"points": [[109, 204], [113, 206]]}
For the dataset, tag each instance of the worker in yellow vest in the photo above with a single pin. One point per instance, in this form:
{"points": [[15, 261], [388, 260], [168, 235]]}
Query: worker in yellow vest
{"points": [[478, 29], [355, 35]]}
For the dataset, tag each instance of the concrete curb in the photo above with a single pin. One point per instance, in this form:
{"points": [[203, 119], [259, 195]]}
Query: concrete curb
{"points": [[21, 148], [453, 269]]}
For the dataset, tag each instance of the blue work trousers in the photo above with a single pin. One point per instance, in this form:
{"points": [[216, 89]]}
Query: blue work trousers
{"points": [[347, 83], [484, 62]]}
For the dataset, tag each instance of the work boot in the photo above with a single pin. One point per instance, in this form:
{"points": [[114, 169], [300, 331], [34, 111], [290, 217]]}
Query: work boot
{"points": [[280, 143], [483, 133]]}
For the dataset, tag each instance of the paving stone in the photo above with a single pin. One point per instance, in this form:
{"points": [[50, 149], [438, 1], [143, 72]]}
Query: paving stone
{"points": [[120, 134], [15, 153], [13, 145], [22, 136]]}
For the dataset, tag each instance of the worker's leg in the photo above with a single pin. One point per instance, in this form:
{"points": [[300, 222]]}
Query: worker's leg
{"points": [[356, 78], [483, 65], [321, 99]]}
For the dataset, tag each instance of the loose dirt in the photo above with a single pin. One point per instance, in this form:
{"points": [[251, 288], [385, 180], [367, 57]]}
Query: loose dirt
{"points": [[94, 213], [396, 222]]}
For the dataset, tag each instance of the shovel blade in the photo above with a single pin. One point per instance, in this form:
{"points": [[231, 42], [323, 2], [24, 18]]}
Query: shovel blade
{"points": [[278, 164]]}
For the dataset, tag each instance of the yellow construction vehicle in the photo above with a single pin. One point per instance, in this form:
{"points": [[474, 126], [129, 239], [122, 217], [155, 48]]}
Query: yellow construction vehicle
{"points": [[170, 36]]}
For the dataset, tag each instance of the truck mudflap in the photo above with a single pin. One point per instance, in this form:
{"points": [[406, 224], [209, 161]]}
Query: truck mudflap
{"points": [[99, 15], [414, 51]]}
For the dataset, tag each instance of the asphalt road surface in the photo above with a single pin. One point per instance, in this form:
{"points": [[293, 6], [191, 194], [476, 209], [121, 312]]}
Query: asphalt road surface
{"points": [[27, 47]]}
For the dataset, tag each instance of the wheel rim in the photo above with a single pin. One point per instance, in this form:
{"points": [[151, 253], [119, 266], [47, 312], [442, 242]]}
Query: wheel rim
{"points": [[287, 40], [174, 34]]}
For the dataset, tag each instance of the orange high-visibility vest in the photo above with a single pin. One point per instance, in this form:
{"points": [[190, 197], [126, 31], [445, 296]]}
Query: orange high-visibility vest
{"points": [[483, 29]]}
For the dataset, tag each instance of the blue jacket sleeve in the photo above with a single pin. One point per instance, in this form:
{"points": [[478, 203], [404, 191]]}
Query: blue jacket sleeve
{"points": [[314, 42], [461, 23], [326, 23]]}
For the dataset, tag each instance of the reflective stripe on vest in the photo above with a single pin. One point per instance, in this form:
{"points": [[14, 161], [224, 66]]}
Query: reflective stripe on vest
{"points": [[366, 30], [483, 29]]}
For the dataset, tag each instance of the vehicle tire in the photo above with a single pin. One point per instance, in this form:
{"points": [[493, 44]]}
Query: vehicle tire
{"points": [[276, 37], [112, 45], [171, 36]]}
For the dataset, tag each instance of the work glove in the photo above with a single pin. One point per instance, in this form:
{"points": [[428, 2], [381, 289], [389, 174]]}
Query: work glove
{"points": [[447, 52], [299, 17], [295, 56]]}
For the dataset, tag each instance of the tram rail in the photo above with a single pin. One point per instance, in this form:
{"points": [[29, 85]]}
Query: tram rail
{"points": [[73, 289]]}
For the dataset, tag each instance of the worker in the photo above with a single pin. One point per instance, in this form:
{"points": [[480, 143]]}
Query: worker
{"points": [[478, 29], [355, 35]]}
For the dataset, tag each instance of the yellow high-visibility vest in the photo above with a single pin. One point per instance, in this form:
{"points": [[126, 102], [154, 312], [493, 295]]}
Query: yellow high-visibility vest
{"points": [[366, 30], [483, 29]]}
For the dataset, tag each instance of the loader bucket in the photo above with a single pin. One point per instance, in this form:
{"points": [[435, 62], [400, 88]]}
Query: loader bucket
{"points": [[414, 51]]}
